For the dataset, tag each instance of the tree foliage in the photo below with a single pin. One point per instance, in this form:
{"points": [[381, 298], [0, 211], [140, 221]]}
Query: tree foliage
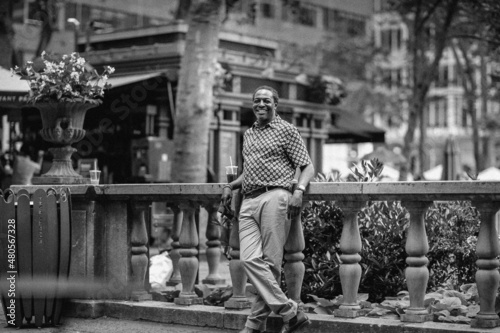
{"points": [[433, 25]]}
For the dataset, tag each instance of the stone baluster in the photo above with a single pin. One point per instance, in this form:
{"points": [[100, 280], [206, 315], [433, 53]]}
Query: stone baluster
{"points": [[213, 246], [175, 279], [350, 269], [139, 249], [294, 268], [487, 276], [239, 277], [417, 273], [188, 263]]}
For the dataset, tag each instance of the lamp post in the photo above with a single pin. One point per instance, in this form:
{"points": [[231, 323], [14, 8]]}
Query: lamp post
{"points": [[76, 24]]}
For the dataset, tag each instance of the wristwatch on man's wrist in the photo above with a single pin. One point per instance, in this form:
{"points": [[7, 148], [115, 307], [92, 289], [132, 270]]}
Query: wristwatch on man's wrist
{"points": [[301, 188]]}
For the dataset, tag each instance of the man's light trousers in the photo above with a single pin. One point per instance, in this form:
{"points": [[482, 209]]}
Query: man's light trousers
{"points": [[264, 228]]}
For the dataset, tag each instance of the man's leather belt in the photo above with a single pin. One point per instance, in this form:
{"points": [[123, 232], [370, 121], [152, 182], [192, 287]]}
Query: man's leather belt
{"points": [[259, 191]]}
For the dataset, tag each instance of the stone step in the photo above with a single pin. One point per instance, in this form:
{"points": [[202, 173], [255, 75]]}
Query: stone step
{"points": [[218, 317]]}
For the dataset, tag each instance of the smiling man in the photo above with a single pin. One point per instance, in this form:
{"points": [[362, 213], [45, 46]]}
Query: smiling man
{"points": [[272, 151]]}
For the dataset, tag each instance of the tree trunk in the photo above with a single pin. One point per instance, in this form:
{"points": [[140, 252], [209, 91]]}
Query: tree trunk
{"points": [[471, 109], [194, 109], [424, 73], [486, 158], [45, 13], [467, 70], [183, 9], [6, 35]]}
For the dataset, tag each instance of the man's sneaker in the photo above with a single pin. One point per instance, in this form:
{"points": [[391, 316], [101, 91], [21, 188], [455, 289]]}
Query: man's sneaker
{"points": [[297, 322]]}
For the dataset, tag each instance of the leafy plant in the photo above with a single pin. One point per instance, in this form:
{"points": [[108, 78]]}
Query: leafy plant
{"points": [[325, 306], [66, 78], [383, 226], [452, 258], [322, 225], [368, 171], [445, 305]]}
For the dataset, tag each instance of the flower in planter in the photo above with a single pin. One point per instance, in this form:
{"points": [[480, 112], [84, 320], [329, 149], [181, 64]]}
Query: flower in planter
{"points": [[66, 78]]}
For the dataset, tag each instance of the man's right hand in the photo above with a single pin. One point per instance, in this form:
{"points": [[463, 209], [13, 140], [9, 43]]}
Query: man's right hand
{"points": [[225, 202], [227, 195]]}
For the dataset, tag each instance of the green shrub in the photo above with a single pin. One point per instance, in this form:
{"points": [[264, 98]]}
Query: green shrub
{"points": [[322, 225], [382, 226], [452, 229]]}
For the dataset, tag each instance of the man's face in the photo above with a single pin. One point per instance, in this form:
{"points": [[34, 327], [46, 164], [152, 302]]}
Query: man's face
{"points": [[264, 106]]}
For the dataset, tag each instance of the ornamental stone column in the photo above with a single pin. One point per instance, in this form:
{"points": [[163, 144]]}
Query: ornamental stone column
{"points": [[487, 276], [175, 279], [188, 263], [139, 249], [213, 246], [294, 268], [417, 273], [239, 277], [350, 269]]}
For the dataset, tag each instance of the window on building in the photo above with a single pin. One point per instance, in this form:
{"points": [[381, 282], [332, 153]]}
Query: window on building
{"points": [[302, 120], [380, 6], [344, 22], [385, 37], [300, 14], [430, 110], [318, 153], [228, 115], [458, 111], [108, 18], [267, 10], [248, 85], [387, 78], [398, 39], [465, 117], [437, 114], [440, 115], [398, 77], [391, 39], [443, 76]]}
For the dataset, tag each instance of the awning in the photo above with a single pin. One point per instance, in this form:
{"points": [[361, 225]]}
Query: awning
{"points": [[347, 127], [14, 91]]}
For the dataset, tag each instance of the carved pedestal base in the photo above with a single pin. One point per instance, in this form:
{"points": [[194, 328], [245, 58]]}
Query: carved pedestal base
{"points": [[61, 171], [347, 313], [188, 300], [485, 322], [237, 303], [416, 318]]}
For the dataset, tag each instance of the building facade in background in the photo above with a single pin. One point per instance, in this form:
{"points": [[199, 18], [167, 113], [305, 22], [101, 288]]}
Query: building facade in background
{"points": [[446, 112], [262, 42]]}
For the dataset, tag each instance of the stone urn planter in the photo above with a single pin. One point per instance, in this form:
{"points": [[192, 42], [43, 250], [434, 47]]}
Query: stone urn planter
{"points": [[63, 88], [62, 126]]}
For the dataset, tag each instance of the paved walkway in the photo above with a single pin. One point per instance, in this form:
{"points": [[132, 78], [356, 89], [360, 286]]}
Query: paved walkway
{"points": [[112, 325]]}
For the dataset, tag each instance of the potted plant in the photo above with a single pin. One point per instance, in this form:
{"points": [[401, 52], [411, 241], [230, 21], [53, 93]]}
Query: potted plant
{"points": [[63, 88]]}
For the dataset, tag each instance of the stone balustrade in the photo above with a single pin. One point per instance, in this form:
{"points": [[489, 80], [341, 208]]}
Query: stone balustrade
{"points": [[110, 239]]}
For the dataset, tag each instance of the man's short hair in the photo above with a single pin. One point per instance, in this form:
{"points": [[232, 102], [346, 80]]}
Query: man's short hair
{"points": [[271, 89]]}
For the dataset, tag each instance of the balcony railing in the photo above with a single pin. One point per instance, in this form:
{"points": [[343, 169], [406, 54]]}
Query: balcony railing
{"points": [[110, 239]]}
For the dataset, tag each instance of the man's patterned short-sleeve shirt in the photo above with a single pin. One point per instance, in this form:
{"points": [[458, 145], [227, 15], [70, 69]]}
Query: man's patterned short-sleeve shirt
{"points": [[271, 155]]}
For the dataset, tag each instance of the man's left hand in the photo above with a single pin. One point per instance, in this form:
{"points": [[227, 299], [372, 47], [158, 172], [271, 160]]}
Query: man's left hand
{"points": [[295, 205]]}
